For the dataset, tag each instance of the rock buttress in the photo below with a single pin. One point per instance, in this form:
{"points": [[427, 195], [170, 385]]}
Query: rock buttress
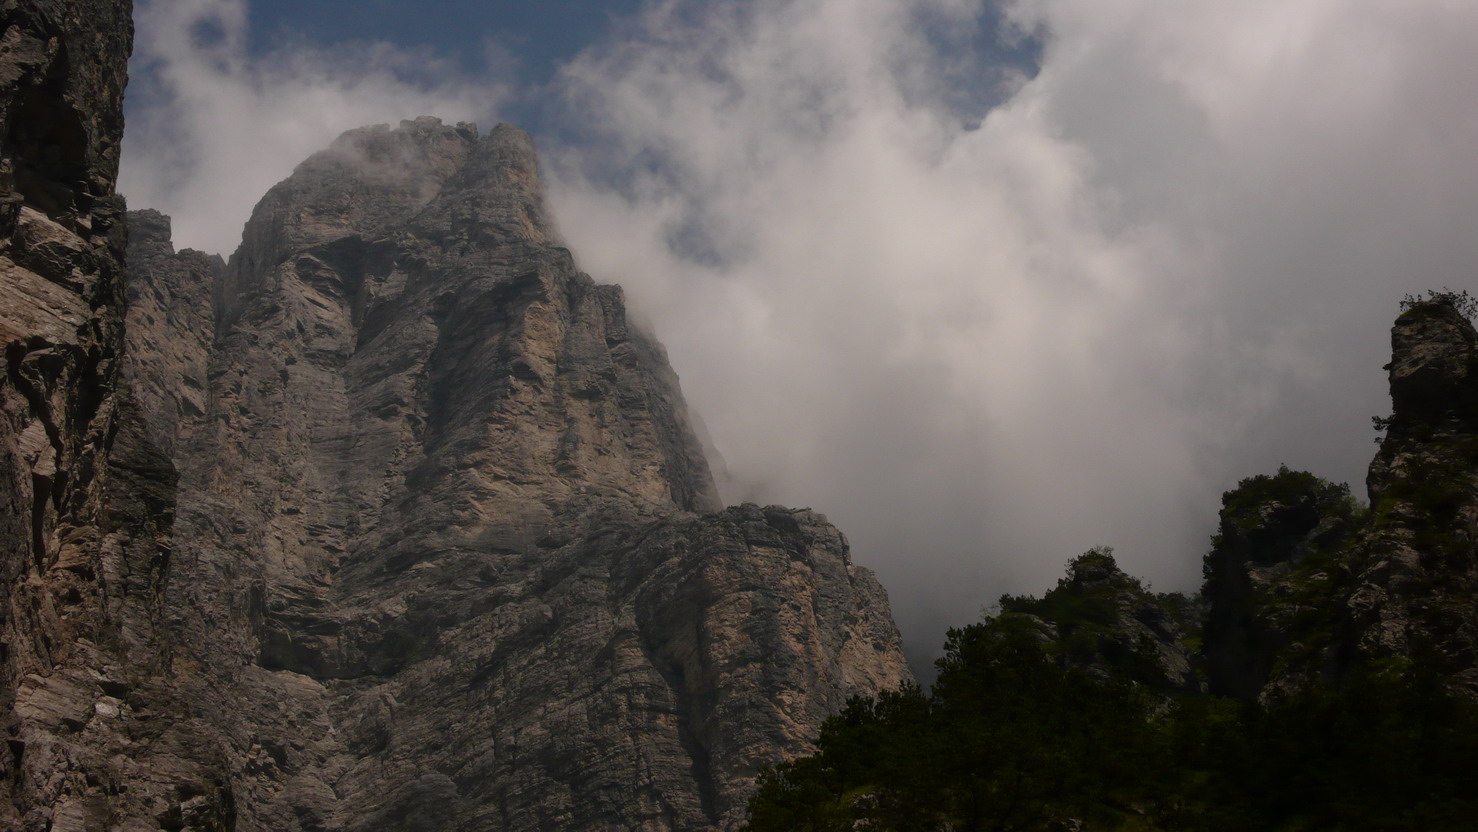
{"points": [[1417, 565]]}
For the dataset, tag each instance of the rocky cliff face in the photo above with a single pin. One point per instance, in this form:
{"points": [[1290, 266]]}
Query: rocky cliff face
{"points": [[170, 331], [1416, 566], [1305, 585], [394, 522], [447, 553], [85, 500]]}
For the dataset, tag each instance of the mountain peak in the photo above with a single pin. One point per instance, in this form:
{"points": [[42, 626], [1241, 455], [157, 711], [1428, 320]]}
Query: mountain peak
{"points": [[437, 466]]}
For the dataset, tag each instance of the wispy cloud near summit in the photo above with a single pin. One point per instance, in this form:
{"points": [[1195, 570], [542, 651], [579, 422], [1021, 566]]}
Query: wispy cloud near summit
{"points": [[213, 125]]}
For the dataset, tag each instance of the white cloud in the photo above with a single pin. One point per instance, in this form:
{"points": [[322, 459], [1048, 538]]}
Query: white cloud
{"points": [[212, 125], [1166, 262]]}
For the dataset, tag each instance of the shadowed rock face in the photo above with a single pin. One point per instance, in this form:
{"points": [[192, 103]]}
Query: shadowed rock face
{"points": [[447, 552], [61, 311], [1418, 566], [170, 330], [1303, 586], [85, 498]]}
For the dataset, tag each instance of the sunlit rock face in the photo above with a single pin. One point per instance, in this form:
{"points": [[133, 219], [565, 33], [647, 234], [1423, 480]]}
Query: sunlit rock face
{"points": [[448, 554], [392, 522]]}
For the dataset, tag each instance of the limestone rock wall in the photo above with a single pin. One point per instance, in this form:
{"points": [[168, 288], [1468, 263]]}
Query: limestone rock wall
{"points": [[93, 739], [61, 267], [170, 330], [447, 551]]}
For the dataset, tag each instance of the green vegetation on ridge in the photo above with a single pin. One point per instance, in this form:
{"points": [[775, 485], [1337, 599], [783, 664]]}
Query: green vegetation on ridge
{"points": [[1011, 738], [1323, 679], [1064, 713]]}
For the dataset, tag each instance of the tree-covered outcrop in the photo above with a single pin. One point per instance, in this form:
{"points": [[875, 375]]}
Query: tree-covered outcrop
{"points": [[1018, 735], [1324, 678], [1105, 622], [1011, 737], [1277, 567]]}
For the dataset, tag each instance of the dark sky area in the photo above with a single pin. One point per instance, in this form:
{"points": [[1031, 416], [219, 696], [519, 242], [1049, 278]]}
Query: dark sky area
{"points": [[537, 35], [530, 41]]}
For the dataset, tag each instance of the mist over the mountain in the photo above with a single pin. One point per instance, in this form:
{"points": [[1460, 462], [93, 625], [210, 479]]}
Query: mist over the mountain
{"points": [[980, 342]]}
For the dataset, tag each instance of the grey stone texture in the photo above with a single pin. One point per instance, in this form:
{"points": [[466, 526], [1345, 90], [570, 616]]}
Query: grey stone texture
{"points": [[447, 552], [85, 499]]}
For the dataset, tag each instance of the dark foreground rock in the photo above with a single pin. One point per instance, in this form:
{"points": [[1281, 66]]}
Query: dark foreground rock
{"points": [[1102, 620], [86, 499]]}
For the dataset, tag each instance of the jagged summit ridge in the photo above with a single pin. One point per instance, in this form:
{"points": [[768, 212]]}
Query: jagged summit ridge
{"points": [[373, 179], [409, 276]]}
